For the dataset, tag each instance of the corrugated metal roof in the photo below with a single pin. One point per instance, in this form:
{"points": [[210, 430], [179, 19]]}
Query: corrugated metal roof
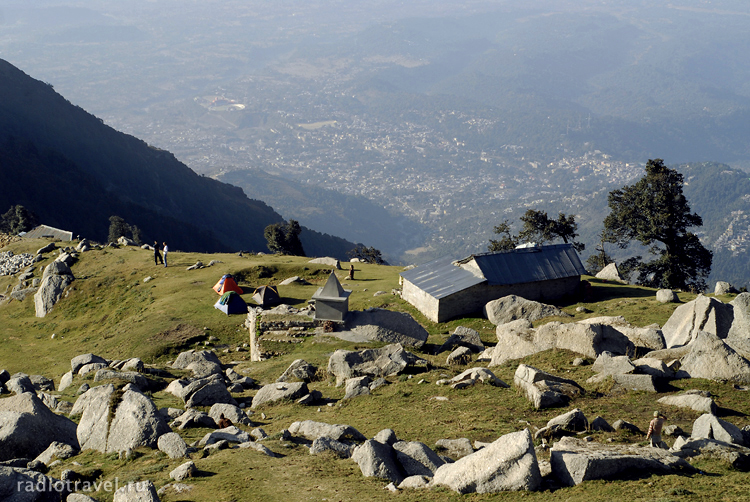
{"points": [[531, 264], [440, 278], [47, 231]]}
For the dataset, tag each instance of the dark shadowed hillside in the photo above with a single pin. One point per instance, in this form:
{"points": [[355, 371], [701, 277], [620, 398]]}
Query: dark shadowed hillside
{"points": [[73, 171]]}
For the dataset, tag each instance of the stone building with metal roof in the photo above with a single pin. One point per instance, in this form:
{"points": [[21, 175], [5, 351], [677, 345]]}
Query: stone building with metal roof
{"points": [[446, 288]]}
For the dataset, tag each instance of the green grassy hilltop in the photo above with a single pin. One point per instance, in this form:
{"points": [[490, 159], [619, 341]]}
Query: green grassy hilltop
{"points": [[109, 310]]}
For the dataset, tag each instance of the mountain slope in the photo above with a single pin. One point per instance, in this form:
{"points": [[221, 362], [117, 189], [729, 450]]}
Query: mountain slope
{"points": [[50, 145]]}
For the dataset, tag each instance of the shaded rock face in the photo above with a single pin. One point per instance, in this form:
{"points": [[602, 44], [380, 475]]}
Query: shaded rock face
{"points": [[702, 314], [230, 411], [377, 460], [417, 458], [142, 491], [323, 444], [134, 422], [711, 358], [463, 337], [387, 361], [694, 402], [574, 461], [709, 426], [28, 427], [300, 370], [56, 277], [278, 391], [310, 429], [508, 464], [202, 363], [510, 308], [544, 390], [387, 326], [82, 360], [740, 329], [20, 485]]}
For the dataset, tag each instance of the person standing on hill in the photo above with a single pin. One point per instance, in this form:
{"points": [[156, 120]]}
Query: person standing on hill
{"points": [[654, 430], [166, 249], [157, 255]]}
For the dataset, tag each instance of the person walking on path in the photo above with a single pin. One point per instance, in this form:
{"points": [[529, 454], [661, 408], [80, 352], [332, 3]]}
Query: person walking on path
{"points": [[166, 249], [654, 430], [157, 255]]}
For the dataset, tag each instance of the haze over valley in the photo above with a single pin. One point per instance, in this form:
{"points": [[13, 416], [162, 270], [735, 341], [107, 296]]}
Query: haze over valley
{"points": [[416, 127]]}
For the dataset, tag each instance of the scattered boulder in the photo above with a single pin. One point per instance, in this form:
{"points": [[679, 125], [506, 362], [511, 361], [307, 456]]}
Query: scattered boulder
{"points": [[28, 427], [204, 392], [387, 326], [599, 424], [231, 434], [278, 391], [386, 361], [414, 482], [56, 277], [184, 471], [736, 456], [92, 368], [331, 262], [693, 401], [387, 436], [128, 376], [114, 421], [574, 461], [702, 314], [417, 458], [463, 337], [357, 386], [65, 381], [626, 381], [740, 319], [19, 484], [312, 430], [654, 367], [544, 390], [173, 445], [508, 464], [622, 425], [724, 288], [510, 308], [459, 357], [79, 361], [294, 280], [324, 443], [193, 418], [377, 460], [610, 273], [202, 363], [142, 491], [711, 358], [56, 450], [300, 370], [711, 427], [20, 383], [666, 296], [614, 328], [456, 448], [609, 364], [230, 411], [472, 376], [236, 378]]}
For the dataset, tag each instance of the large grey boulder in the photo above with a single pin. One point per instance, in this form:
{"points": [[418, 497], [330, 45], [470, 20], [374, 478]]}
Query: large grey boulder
{"points": [[609, 364], [544, 390], [387, 326], [207, 392], [357, 386], [459, 357], [711, 358], [202, 363], [627, 381], [610, 273], [82, 360], [56, 450], [711, 427], [133, 377], [28, 427], [173, 445], [455, 448], [234, 413], [193, 418], [386, 361], [666, 296], [736, 456], [473, 376], [300, 371], [615, 327], [20, 383], [184, 471], [463, 337], [113, 422], [723, 288], [92, 368], [510, 308], [740, 329], [310, 429], [323, 444], [279, 391], [24, 485], [654, 367], [574, 461], [702, 314], [56, 277], [377, 460], [691, 400], [417, 458], [516, 340], [231, 434], [331, 262], [508, 464], [141, 491], [65, 381]]}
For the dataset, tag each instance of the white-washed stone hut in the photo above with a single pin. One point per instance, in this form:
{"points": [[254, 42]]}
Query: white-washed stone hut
{"points": [[445, 288]]}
